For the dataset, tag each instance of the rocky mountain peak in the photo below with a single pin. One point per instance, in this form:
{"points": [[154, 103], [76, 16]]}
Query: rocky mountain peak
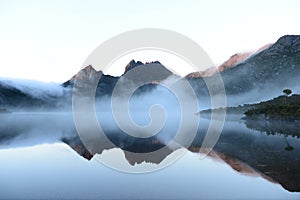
{"points": [[87, 73], [89, 68], [157, 71], [289, 40], [286, 45], [132, 64]]}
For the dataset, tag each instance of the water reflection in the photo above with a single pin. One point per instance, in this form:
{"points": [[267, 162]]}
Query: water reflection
{"points": [[54, 171], [275, 127], [245, 146], [266, 154]]}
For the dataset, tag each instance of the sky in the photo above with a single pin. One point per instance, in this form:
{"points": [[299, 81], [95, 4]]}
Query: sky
{"points": [[49, 40]]}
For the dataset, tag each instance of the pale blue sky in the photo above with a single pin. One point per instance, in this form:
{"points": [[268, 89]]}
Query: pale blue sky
{"points": [[49, 40]]}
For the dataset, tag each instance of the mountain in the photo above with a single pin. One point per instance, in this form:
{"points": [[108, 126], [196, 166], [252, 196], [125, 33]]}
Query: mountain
{"points": [[30, 95], [12, 96], [231, 62], [269, 71], [154, 71], [24, 96], [132, 64], [88, 73], [247, 77], [276, 66], [89, 76]]}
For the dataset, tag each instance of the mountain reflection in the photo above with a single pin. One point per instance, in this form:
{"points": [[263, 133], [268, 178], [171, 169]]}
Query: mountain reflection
{"points": [[248, 147]]}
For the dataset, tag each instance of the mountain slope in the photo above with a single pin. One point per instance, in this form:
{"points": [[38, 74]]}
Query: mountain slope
{"points": [[26, 96], [231, 62], [270, 70], [274, 65]]}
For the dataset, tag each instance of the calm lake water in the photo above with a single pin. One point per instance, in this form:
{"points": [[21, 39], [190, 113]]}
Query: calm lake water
{"points": [[246, 164]]}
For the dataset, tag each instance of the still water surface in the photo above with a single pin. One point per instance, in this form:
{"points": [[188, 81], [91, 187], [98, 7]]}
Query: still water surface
{"points": [[246, 164]]}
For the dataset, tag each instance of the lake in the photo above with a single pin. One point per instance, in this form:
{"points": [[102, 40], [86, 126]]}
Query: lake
{"points": [[246, 163]]}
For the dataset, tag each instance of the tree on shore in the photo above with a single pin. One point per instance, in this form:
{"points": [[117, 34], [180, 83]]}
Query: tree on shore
{"points": [[287, 92]]}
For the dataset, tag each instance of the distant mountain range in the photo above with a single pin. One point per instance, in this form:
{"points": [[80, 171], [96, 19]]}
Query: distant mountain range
{"points": [[247, 77]]}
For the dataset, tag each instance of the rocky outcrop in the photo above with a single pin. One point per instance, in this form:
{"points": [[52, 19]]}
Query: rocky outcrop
{"points": [[232, 61], [86, 74], [287, 45], [154, 71], [132, 64]]}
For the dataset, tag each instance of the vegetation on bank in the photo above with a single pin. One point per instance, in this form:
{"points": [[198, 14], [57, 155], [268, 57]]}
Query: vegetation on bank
{"points": [[283, 107]]}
